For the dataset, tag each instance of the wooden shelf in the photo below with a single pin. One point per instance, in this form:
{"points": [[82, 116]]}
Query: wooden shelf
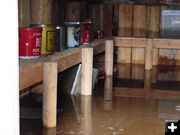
{"points": [[30, 71]]}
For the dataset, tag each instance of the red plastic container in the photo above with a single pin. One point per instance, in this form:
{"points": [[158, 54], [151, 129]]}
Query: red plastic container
{"points": [[30, 42], [86, 31]]}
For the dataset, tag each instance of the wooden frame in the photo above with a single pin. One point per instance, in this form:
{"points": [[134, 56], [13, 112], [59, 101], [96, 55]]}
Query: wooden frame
{"points": [[30, 71], [142, 42]]}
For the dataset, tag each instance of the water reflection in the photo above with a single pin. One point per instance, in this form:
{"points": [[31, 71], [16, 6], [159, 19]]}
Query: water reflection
{"points": [[108, 93], [147, 83], [108, 89], [160, 82], [124, 110], [86, 115], [137, 72], [124, 71], [49, 131]]}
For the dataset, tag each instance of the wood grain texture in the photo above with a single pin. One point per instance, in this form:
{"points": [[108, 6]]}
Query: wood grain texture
{"points": [[49, 94], [148, 55], [125, 20], [41, 11], [107, 19], [30, 71], [154, 28], [109, 57], [87, 68], [125, 30], [24, 13], [139, 30]]}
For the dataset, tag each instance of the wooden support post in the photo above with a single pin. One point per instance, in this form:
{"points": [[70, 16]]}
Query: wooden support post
{"points": [[148, 56], [86, 113], [125, 30], [49, 94], [109, 53], [108, 89], [87, 68]]}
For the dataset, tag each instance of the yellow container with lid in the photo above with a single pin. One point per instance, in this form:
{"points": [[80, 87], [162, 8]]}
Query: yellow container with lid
{"points": [[48, 39]]}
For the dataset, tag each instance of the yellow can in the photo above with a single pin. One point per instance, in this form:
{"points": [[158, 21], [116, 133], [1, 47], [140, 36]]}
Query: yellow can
{"points": [[48, 39]]}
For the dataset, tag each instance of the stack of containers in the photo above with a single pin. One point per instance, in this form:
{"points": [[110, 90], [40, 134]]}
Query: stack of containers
{"points": [[39, 39]]}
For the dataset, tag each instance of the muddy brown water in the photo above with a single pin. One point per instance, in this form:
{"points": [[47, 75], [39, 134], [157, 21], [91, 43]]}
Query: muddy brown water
{"points": [[134, 102]]}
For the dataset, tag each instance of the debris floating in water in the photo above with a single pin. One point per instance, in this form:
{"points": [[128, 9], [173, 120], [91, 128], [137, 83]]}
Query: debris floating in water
{"points": [[111, 128]]}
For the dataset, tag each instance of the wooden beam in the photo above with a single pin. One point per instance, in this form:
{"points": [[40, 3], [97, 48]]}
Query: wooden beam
{"points": [[130, 42], [142, 42], [166, 43]]}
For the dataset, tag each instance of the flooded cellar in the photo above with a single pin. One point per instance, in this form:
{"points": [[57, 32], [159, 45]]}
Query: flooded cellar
{"points": [[92, 67]]}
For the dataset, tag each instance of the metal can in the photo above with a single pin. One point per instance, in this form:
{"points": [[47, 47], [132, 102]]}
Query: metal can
{"points": [[60, 38], [86, 33], [29, 42], [73, 34], [48, 38]]}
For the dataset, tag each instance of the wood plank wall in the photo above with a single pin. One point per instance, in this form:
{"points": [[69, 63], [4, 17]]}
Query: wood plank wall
{"points": [[139, 30], [107, 19], [125, 30], [138, 21], [154, 28], [24, 13]]}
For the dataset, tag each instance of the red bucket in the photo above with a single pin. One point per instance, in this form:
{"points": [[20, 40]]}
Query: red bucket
{"points": [[30, 42]]}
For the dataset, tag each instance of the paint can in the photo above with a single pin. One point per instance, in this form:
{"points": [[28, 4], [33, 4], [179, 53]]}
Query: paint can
{"points": [[60, 38], [30, 42], [86, 33], [73, 34], [48, 38]]}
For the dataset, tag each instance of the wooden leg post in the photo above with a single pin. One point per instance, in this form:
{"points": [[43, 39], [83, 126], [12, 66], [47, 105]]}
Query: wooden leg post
{"points": [[148, 56], [109, 57], [49, 94], [87, 68]]}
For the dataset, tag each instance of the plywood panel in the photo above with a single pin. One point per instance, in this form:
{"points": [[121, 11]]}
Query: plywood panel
{"points": [[139, 30], [107, 21], [41, 11], [24, 13], [125, 30]]}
